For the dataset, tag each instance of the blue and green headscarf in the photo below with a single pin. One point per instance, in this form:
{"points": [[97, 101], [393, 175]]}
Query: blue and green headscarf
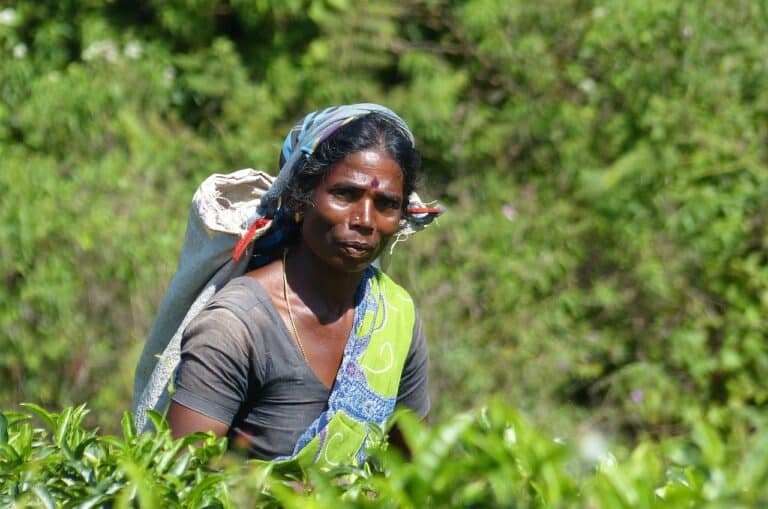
{"points": [[309, 133], [301, 142]]}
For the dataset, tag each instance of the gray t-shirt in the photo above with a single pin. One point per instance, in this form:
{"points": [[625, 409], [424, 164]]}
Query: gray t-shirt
{"points": [[239, 365]]}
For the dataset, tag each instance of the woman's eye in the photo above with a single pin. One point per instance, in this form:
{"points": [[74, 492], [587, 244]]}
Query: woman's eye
{"points": [[389, 204]]}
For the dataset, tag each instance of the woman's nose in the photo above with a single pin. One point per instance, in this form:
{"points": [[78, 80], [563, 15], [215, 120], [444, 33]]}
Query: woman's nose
{"points": [[363, 215]]}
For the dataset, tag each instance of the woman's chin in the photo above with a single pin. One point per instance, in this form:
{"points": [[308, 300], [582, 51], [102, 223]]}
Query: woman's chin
{"points": [[355, 262]]}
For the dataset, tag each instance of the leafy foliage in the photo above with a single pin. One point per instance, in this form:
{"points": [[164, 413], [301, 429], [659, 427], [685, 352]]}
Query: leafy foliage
{"points": [[489, 458], [66, 464], [604, 261]]}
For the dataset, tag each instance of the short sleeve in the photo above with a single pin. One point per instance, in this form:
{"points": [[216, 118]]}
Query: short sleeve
{"points": [[213, 372], [414, 383]]}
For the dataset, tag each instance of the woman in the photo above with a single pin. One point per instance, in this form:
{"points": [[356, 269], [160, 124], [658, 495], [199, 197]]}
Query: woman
{"points": [[296, 357]]}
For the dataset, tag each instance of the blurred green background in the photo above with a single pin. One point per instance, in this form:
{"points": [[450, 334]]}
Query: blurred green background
{"points": [[603, 263]]}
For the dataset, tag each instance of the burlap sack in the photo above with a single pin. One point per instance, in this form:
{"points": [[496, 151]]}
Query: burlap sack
{"points": [[222, 209]]}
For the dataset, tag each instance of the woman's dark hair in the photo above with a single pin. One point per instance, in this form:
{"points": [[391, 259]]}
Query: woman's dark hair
{"points": [[369, 131]]}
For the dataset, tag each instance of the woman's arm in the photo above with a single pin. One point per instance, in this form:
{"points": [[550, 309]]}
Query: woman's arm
{"points": [[413, 392], [212, 377], [183, 421]]}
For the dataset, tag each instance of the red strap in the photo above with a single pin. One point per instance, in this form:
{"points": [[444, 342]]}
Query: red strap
{"points": [[242, 244], [424, 210]]}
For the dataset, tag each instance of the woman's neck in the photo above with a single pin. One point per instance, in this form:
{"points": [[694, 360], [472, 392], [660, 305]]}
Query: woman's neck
{"points": [[328, 292]]}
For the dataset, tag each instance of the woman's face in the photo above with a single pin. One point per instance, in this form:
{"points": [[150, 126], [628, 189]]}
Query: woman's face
{"points": [[357, 208]]}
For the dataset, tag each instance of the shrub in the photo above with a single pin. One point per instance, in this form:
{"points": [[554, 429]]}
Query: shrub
{"points": [[489, 458]]}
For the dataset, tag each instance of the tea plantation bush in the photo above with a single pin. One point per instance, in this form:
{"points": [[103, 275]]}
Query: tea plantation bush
{"points": [[603, 265], [488, 458]]}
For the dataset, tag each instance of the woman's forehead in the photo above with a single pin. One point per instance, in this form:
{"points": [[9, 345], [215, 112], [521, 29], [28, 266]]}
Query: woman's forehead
{"points": [[369, 168]]}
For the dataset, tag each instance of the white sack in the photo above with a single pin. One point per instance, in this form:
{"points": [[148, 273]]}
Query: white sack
{"points": [[222, 209]]}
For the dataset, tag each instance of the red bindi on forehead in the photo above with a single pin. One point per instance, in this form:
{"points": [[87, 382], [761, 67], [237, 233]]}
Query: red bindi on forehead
{"points": [[375, 183]]}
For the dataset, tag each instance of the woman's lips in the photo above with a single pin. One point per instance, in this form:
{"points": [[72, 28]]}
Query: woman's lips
{"points": [[356, 249]]}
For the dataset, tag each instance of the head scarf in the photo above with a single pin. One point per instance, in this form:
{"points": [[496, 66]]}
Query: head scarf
{"points": [[309, 133], [301, 142]]}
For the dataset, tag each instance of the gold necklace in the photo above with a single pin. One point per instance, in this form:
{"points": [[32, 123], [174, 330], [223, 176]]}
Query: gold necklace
{"points": [[290, 313]]}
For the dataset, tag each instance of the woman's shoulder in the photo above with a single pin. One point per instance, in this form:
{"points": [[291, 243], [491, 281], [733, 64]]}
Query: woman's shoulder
{"points": [[242, 308], [389, 285], [241, 293]]}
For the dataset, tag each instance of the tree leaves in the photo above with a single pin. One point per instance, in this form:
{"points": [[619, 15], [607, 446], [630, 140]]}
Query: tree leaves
{"points": [[492, 457]]}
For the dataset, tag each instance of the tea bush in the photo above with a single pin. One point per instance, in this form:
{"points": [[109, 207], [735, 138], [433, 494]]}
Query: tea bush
{"points": [[491, 457]]}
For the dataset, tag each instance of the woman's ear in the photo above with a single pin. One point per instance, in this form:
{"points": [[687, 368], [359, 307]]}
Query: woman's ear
{"points": [[299, 208]]}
